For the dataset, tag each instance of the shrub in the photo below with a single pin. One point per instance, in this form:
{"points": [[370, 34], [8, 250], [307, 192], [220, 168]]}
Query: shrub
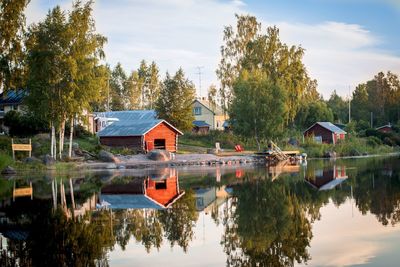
{"points": [[374, 141], [24, 125]]}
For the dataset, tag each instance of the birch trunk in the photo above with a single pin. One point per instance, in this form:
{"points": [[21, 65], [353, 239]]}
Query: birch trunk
{"points": [[55, 143], [71, 135], [61, 138], [52, 140]]}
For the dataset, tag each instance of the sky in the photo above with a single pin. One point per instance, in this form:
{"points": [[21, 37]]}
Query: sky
{"points": [[347, 42]]}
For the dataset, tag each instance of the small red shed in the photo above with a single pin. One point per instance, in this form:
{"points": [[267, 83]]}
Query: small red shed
{"points": [[385, 128], [325, 132], [143, 133]]}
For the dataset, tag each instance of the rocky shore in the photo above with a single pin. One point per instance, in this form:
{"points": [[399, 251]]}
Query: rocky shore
{"points": [[144, 161]]}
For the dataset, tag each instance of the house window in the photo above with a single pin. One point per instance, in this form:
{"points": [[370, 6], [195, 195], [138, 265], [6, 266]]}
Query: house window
{"points": [[197, 111]]}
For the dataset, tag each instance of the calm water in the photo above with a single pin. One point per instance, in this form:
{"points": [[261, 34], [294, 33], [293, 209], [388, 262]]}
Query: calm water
{"points": [[327, 213]]}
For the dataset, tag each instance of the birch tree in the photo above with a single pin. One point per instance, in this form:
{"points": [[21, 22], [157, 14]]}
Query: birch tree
{"points": [[63, 55], [12, 54], [250, 48]]}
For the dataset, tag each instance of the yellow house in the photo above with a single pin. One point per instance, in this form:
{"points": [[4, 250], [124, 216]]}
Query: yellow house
{"points": [[211, 114]]}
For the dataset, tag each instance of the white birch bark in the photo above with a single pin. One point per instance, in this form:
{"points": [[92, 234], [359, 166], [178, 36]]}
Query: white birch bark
{"points": [[71, 135]]}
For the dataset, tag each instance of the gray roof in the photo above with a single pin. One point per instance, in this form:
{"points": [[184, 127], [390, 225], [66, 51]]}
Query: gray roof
{"points": [[129, 128], [201, 124], [131, 123], [329, 126], [129, 115]]}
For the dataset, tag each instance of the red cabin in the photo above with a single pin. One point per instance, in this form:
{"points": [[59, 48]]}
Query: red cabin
{"points": [[140, 130], [325, 132]]}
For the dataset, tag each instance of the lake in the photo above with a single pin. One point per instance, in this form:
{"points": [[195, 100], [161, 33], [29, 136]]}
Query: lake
{"points": [[342, 212]]}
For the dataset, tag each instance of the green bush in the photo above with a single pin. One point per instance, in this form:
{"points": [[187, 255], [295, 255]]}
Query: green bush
{"points": [[5, 160], [374, 141], [24, 125]]}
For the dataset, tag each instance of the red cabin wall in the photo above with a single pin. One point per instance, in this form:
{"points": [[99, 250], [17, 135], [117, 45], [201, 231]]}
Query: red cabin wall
{"points": [[318, 130], [163, 131]]}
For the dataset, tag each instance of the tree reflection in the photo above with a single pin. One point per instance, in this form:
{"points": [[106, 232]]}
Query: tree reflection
{"points": [[265, 225], [55, 240], [178, 221], [150, 227]]}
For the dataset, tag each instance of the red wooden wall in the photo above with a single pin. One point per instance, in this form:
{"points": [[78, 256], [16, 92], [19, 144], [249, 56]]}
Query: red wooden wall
{"points": [[318, 130], [162, 131]]}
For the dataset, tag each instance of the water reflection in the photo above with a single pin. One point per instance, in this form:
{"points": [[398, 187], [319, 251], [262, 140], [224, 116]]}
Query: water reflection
{"points": [[151, 192], [326, 178], [260, 219]]}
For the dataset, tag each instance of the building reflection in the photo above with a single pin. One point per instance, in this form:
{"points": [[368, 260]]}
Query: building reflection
{"points": [[325, 178], [158, 190]]}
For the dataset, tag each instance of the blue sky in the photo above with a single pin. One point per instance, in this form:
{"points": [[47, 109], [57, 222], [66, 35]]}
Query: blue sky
{"points": [[346, 41]]}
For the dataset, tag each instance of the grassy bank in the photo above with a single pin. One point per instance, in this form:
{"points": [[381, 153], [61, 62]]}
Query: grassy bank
{"points": [[41, 147], [352, 146]]}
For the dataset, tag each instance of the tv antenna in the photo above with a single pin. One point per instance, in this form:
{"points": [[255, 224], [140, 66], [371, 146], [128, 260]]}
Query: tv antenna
{"points": [[199, 73]]}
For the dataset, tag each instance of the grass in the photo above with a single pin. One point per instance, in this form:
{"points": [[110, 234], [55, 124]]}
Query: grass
{"points": [[352, 146], [226, 140]]}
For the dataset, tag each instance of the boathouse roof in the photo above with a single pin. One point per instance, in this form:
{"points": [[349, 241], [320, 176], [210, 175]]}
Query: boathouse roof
{"points": [[329, 126]]}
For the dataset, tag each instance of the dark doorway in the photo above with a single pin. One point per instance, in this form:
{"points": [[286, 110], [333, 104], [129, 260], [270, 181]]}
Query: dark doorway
{"points": [[159, 143]]}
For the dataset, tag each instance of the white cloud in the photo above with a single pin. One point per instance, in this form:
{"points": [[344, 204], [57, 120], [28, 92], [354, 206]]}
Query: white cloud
{"points": [[339, 55], [188, 33]]}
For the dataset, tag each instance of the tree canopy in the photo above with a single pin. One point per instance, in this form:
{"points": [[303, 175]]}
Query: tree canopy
{"points": [[175, 101]]}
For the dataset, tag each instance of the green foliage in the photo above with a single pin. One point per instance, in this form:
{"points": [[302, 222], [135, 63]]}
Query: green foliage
{"points": [[5, 160], [248, 48], [175, 102], [12, 30], [23, 125], [379, 96], [339, 107], [258, 107], [313, 112], [351, 146]]}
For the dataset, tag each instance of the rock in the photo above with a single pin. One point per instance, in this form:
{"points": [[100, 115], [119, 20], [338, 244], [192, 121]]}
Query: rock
{"points": [[31, 160], [48, 160], [330, 154], [8, 170], [212, 151], [108, 157], [293, 141], [159, 155], [355, 152], [110, 166], [36, 145]]}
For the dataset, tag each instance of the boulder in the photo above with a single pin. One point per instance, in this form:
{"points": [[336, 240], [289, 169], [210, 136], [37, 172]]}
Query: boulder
{"points": [[354, 152], [212, 151], [330, 154], [31, 160], [159, 155], [8, 170], [48, 160], [106, 156]]}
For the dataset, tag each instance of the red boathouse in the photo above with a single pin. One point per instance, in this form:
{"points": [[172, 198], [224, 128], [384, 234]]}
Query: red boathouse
{"points": [[140, 130], [325, 132]]}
